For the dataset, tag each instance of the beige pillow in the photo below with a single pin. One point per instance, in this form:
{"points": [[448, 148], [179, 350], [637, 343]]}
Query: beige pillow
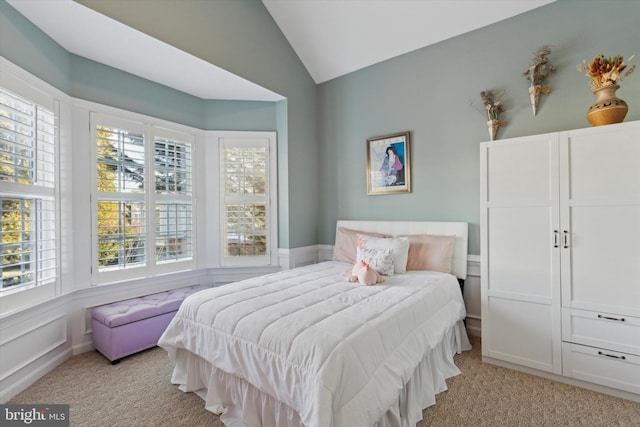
{"points": [[345, 248], [428, 252]]}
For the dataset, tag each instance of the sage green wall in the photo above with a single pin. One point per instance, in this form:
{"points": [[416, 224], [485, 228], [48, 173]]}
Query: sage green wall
{"points": [[25, 45], [428, 92], [241, 37], [322, 164], [100, 83], [240, 115], [106, 85]]}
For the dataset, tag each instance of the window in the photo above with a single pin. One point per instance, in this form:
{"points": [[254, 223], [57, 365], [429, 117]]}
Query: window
{"points": [[121, 199], [247, 168], [28, 165], [144, 215], [174, 240]]}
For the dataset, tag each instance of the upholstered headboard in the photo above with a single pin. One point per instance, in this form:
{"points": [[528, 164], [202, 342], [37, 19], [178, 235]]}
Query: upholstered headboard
{"points": [[399, 228]]}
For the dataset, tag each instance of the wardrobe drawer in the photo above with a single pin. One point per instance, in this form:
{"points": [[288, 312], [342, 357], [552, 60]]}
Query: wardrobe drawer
{"points": [[604, 330], [599, 366]]}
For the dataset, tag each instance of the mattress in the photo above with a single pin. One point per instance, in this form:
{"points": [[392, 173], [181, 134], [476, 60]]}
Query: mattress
{"points": [[335, 353]]}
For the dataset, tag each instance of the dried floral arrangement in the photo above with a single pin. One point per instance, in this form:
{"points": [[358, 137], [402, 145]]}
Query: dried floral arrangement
{"points": [[493, 107], [537, 73], [605, 71], [492, 104]]}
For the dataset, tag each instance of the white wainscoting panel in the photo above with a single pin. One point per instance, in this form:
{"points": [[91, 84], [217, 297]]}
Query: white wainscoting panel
{"points": [[472, 296], [32, 343], [49, 335], [298, 257]]}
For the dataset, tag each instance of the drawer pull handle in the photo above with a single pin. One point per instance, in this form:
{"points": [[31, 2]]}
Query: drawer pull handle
{"points": [[555, 239], [565, 238], [621, 319], [613, 356]]}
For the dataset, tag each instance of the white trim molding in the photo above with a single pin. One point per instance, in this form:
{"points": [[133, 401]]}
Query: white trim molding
{"points": [[298, 257], [473, 265]]}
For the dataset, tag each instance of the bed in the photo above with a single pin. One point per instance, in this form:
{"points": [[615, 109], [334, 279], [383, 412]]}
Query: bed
{"points": [[305, 347]]}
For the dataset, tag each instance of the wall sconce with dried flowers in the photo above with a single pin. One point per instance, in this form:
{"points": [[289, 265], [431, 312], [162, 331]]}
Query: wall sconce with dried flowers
{"points": [[493, 107], [536, 73]]}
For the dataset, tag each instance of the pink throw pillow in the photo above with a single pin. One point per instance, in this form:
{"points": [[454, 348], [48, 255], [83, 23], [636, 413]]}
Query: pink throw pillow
{"points": [[429, 252]]}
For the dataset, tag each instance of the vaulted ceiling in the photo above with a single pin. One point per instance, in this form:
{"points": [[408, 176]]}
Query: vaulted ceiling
{"points": [[331, 37], [336, 37]]}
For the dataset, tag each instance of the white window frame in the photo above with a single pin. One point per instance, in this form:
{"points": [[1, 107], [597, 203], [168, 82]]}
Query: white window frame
{"points": [[23, 84], [150, 128], [173, 197], [269, 140]]}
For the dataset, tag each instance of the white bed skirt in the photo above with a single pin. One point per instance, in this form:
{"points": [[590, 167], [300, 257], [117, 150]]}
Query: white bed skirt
{"points": [[240, 404]]}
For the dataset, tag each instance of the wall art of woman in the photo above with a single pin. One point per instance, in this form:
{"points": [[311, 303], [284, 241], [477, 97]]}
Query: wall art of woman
{"points": [[392, 167]]}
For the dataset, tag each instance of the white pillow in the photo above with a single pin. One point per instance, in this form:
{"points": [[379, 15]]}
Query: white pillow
{"points": [[399, 247], [381, 260], [344, 249]]}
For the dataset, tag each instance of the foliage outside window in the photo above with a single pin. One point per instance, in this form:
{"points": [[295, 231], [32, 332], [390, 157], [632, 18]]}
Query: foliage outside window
{"points": [[28, 162], [245, 200], [142, 225], [173, 177], [121, 219]]}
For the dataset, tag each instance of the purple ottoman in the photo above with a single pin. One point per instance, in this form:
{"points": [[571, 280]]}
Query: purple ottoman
{"points": [[126, 327]]}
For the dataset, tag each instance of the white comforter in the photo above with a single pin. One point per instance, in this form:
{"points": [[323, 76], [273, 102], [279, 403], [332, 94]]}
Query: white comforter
{"points": [[337, 352]]}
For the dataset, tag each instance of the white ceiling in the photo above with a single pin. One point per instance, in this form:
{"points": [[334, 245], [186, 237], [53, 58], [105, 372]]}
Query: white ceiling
{"points": [[331, 37], [336, 37]]}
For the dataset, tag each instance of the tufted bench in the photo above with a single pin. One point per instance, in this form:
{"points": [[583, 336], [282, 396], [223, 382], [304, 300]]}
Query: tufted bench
{"points": [[126, 327]]}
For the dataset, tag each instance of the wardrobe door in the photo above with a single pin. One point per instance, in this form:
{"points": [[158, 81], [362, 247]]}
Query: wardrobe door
{"points": [[520, 238], [601, 218], [600, 212]]}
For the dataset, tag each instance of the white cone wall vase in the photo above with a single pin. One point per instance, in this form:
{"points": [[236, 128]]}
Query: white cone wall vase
{"points": [[492, 126], [534, 95]]}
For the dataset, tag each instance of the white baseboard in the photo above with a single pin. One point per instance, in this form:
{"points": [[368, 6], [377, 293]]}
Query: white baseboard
{"points": [[33, 375], [566, 380], [84, 346], [325, 252], [474, 326]]}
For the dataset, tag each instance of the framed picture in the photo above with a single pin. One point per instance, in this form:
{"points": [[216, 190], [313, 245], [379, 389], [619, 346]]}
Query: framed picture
{"points": [[388, 164]]}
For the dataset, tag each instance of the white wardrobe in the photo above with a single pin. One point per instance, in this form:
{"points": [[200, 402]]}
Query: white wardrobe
{"points": [[560, 255]]}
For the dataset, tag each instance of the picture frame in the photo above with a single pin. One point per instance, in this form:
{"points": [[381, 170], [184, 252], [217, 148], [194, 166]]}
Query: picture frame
{"points": [[383, 177]]}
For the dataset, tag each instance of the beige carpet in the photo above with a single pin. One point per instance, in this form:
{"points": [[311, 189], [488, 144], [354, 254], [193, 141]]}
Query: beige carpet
{"points": [[137, 392]]}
